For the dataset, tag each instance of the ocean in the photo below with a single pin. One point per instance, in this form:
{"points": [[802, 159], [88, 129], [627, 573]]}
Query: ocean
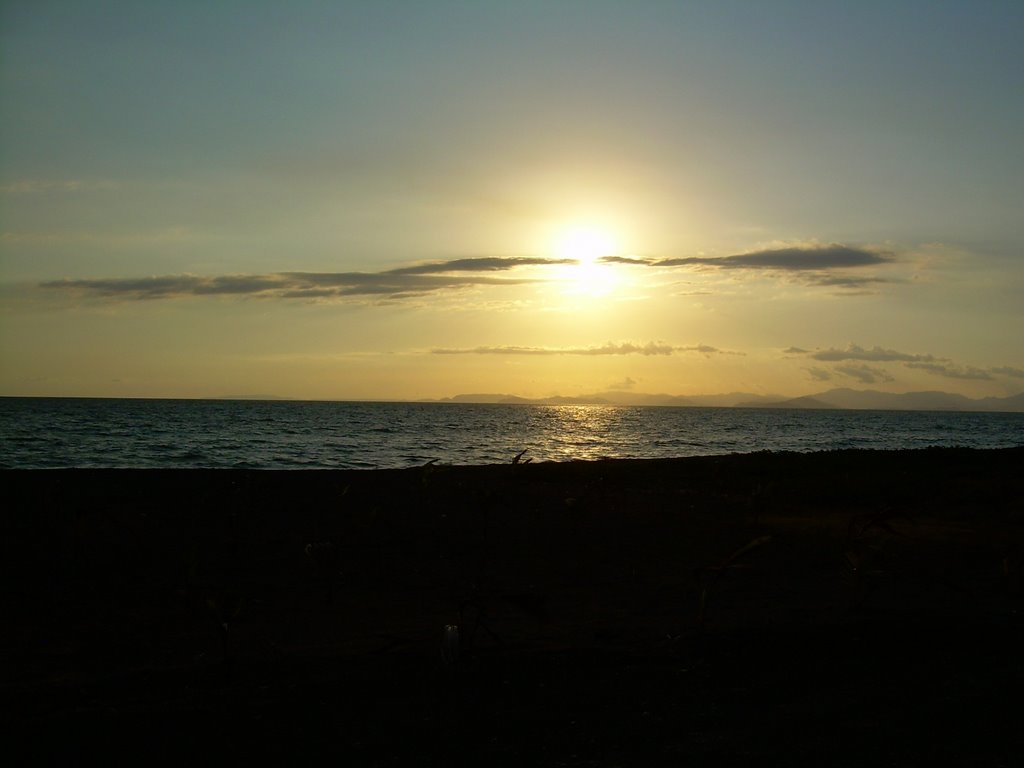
{"points": [[77, 432]]}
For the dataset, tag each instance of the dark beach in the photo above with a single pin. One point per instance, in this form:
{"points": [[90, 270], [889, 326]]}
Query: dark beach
{"points": [[841, 608]]}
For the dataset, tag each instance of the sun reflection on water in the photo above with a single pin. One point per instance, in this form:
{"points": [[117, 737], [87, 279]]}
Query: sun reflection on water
{"points": [[585, 431]]}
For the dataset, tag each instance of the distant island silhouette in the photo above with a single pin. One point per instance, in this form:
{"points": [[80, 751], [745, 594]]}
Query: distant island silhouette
{"points": [[848, 399]]}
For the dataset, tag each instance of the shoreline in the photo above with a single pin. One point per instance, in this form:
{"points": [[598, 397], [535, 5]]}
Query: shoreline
{"points": [[610, 610]]}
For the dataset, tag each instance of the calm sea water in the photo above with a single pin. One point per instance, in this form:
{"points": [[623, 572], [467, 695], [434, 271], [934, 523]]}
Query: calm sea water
{"points": [[36, 433]]}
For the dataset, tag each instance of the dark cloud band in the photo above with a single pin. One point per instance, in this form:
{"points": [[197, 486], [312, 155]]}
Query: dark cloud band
{"points": [[399, 283], [876, 354], [814, 263], [809, 258]]}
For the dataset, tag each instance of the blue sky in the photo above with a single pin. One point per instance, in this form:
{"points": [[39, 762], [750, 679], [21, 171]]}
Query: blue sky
{"points": [[325, 199]]}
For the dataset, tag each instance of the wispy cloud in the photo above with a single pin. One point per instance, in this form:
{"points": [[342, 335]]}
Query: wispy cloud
{"points": [[846, 281], [811, 262], [854, 352], [808, 258], [631, 260], [625, 385], [819, 374], [627, 348], [403, 282], [1005, 370], [706, 350], [479, 264], [865, 374], [952, 371], [938, 366], [826, 266]]}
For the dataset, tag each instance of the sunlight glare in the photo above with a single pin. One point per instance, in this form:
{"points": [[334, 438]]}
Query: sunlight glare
{"points": [[584, 244]]}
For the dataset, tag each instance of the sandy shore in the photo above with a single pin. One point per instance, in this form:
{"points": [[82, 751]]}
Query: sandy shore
{"points": [[847, 608]]}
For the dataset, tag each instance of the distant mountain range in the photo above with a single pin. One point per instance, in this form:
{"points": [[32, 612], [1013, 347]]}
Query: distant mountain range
{"points": [[850, 399]]}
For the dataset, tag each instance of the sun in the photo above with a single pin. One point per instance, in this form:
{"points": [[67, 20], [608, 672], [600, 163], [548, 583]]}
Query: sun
{"points": [[584, 247], [584, 244]]}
